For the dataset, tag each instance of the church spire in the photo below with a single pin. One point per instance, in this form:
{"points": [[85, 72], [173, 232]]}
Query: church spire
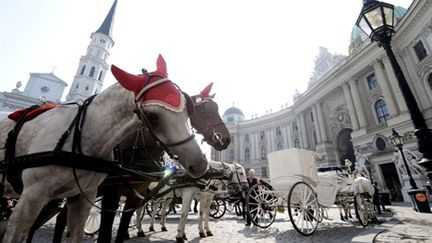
{"points": [[106, 27]]}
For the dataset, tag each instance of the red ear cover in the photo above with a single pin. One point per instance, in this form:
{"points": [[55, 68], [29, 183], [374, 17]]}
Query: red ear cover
{"points": [[161, 66], [129, 81]]}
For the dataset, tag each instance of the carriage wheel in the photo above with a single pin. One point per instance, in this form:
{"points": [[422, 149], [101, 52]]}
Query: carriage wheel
{"points": [[361, 209], [93, 221], [303, 208], [261, 205], [217, 208]]}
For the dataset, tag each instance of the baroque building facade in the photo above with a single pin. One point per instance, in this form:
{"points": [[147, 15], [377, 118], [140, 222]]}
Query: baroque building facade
{"points": [[350, 107]]}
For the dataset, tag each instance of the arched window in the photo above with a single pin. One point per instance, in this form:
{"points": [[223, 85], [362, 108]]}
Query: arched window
{"points": [[279, 146], [263, 152], [100, 75], [247, 154], [82, 70], [231, 155], [296, 143], [381, 111], [92, 71]]}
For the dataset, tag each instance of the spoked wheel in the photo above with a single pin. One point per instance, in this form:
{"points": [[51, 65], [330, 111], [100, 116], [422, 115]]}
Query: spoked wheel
{"points": [[362, 209], [261, 205], [217, 208], [93, 221], [303, 208]]}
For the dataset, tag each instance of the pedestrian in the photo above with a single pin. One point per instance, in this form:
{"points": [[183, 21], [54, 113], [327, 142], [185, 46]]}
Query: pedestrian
{"points": [[252, 181], [377, 201]]}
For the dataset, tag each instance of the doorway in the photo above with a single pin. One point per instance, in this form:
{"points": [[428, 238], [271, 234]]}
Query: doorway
{"points": [[391, 181], [345, 146]]}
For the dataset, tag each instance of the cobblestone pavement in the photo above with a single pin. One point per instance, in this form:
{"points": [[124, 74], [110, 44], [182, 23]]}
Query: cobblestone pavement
{"points": [[231, 228]]}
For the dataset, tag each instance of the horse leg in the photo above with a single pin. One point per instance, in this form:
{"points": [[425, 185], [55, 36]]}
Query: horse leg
{"points": [[123, 229], [209, 199], [164, 211], [78, 212], [153, 216], [110, 202], [202, 209], [60, 225], [187, 199], [139, 213], [25, 214], [49, 211]]}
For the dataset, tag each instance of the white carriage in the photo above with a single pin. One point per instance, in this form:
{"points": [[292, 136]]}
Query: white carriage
{"points": [[306, 192]]}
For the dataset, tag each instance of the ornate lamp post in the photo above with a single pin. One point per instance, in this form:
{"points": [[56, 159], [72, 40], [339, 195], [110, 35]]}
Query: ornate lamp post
{"points": [[397, 140], [376, 20], [418, 197]]}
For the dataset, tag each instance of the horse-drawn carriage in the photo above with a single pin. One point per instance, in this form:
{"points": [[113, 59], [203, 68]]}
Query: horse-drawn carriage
{"points": [[306, 192]]}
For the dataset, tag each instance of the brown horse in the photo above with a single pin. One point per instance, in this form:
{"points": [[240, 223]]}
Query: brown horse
{"points": [[139, 148]]}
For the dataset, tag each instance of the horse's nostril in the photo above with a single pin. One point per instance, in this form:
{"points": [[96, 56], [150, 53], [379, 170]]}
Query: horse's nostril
{"points": [[227, 140]]}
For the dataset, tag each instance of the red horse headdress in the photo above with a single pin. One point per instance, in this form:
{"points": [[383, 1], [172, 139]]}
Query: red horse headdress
{"points": [[152, 88]]}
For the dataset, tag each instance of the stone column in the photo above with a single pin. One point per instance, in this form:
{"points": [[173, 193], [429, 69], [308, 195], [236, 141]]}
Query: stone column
{"points": [[302, 124], [383, 83], [351, 109], [287, 135], [395, 86], [316, 124], [321, 122], [357, 103]]}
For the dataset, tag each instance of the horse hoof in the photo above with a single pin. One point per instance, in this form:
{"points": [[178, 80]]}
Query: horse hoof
{"points": [[179, 240], [202, 235], [184, 237], [140, 234], [151, 229], [209, 233], [164, 229]]}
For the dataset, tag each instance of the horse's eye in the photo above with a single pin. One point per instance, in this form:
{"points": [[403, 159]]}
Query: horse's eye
{"points": [[153, 118]]}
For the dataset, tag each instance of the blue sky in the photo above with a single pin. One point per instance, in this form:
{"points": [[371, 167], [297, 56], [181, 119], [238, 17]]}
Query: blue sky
{"points": [[256, 52]]}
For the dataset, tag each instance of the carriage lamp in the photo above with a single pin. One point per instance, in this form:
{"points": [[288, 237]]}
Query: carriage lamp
{"points": [[418, 197], [376, 20]]}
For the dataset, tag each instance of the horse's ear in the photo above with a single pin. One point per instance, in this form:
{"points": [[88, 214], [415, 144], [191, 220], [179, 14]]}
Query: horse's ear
{"points": [[205, 93], [189, 104], [129, 81], [161, 66]]}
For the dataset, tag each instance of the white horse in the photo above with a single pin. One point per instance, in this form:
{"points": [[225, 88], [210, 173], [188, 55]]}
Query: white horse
{"points": [[120, 110], [237, 180]]}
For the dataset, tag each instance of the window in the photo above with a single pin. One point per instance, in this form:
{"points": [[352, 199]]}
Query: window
{"points": [[246, 137], [87, 87], [430, 81], [82, 70], [420, 50], [262, 135], [278, 131], [279, 146], [231, 155], [372, 82], [296, 143], [380, 144], [232, 139], [294, 126], [315, 138], [230, 119], [77, 85], [263, 152], [92, 71], [311, 116], [264, 172], [381, 111], [100, 75], [247, 154]]}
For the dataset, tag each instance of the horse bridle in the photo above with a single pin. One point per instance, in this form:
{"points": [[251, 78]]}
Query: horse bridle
{"points": [[144, 118], [215, 136], [231, 181]]}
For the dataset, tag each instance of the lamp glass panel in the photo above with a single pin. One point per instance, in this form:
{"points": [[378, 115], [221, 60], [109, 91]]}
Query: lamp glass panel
{"points": [[388, 13], [364, 26], [375, 18]]}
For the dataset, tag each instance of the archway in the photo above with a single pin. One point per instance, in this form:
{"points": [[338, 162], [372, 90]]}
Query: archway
{"points": [[345, 146]]}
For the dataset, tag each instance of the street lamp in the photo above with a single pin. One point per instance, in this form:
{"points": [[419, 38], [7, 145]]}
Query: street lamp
{"points": [[418, 197], [377, 21], [397, 140]]}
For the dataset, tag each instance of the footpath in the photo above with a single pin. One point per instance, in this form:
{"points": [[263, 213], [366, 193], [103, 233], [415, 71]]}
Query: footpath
{"points": [[401, 224]]}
